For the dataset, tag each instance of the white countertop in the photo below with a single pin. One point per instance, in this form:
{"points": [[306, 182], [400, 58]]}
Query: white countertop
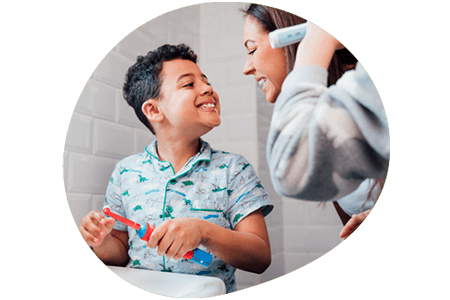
{"points": [[172, 284]]}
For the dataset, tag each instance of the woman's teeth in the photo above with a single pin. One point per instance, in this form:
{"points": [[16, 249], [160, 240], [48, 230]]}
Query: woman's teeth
{"points": [[262, 81]]}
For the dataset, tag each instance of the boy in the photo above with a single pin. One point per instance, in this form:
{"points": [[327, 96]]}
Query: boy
{"points": [[196, 197]]}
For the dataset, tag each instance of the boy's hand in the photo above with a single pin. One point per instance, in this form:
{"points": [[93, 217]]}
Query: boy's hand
{"points": [[174, 238], [95, 227]]}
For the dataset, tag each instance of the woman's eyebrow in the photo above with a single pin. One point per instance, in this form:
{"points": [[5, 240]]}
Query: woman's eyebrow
{"points": [[248, 41]]}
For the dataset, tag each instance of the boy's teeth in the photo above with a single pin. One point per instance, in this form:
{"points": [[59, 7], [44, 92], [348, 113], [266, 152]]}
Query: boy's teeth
{"points": [[209, 105]]}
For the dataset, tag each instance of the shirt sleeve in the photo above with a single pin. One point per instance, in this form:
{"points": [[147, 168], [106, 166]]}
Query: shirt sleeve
{"points": [[113, 198], [246, 193], [324, 142]]}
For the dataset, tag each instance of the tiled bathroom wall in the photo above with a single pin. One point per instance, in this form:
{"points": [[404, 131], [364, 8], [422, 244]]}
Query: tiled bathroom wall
{"points": [[104, 129]]}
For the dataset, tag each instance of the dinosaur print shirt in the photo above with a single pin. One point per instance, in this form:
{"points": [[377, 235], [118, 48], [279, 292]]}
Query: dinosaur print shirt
{"points": [[216, 186]]}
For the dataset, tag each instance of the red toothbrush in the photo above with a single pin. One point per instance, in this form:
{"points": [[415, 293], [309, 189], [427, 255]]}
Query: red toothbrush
{"points": [[145, 230]]}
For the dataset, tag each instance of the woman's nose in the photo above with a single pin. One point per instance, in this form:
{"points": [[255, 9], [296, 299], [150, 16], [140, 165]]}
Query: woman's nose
{"points": [[248, 67]]}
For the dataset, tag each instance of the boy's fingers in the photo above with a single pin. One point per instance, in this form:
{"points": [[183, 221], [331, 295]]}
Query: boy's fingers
{"points": [[92, 224], [88, 237], [110, 223], [173, 252], [100, 218], [156, 236]]}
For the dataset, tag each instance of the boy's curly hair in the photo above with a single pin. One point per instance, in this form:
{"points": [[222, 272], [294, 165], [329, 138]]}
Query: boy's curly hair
{"points": [[143, 81]]}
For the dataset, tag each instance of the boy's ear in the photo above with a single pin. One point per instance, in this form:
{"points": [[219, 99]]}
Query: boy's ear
{"points": [[152, 111]]}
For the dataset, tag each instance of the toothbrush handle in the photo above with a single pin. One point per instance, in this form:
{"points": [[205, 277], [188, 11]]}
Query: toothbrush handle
{"points": [[198, 256], [125, 221]]}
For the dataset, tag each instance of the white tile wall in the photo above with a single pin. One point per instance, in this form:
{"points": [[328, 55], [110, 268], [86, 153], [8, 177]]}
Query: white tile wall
{"points": [[105, 129]]}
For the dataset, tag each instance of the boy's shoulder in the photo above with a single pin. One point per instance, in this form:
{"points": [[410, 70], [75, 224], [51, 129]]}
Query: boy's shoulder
{"points": [[134, 160], [209, 153], [229, 161], [217, 154]]}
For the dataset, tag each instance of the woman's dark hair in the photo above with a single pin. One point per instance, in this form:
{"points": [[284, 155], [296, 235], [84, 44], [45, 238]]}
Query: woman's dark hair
{"points": [[271, 19], [143, 80]]}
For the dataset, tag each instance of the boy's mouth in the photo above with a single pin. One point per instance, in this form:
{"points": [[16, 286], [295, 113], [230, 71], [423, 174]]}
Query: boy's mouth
{"points": [[209, 105]]}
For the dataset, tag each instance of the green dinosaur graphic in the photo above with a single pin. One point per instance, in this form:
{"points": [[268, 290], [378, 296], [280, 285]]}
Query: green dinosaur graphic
{"points": [[147, 161], [259, 185], [129, 170], [237, 217], [138, 207], [187, 202], [245, 166], [112, 180], [167, 213], [163, 168], [218, 189], [187, 183], [223, 166], [167, 270], [173, 181], [125, 193], [136, 263], [229, 192], [142, 179]]}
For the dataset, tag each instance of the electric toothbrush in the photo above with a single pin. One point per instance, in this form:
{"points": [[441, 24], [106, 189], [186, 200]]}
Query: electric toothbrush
{"points": [[145, 230], [286, 36]]}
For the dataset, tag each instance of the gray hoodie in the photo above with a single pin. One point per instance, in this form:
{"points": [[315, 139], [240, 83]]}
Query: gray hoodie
{"points": [[325, 141]]}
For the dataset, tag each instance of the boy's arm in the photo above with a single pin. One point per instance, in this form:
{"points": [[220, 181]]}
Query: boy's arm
{"points": [[246, 247], [110, 245], [114, 251]]}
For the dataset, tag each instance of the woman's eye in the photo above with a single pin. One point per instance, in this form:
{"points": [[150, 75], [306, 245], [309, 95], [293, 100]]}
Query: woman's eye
{"points": [[251, 52]]}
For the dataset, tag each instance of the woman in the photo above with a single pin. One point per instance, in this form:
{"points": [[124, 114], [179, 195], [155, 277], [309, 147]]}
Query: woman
{"points": [[296, 171]]}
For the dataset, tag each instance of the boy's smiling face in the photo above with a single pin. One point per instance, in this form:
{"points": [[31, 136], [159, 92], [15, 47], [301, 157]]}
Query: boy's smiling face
{"points": [[189, 103]]}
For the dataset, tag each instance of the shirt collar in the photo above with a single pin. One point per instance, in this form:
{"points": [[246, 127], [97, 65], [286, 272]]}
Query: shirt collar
{"points": [[204, 153]]}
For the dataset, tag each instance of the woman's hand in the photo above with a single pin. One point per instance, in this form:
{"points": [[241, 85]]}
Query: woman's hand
{"points": [[316, 48], [174, 238], [353, 223], [324, 37]]}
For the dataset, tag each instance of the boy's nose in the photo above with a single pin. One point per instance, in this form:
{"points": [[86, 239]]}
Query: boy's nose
{"points": [[207, 89]]}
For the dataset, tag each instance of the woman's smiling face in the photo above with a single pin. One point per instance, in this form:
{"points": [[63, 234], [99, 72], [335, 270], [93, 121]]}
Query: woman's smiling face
{"points": [[268, 65]]}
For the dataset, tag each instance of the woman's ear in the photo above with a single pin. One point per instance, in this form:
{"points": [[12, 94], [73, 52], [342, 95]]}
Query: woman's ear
{"points": [[151, 110]]}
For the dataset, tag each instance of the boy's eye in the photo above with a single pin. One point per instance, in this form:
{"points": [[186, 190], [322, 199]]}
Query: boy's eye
{"points": [[191, 84]]}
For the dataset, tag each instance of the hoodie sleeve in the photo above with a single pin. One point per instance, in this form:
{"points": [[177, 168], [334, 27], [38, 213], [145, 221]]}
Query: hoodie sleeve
{"points": [[323, 142]]}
